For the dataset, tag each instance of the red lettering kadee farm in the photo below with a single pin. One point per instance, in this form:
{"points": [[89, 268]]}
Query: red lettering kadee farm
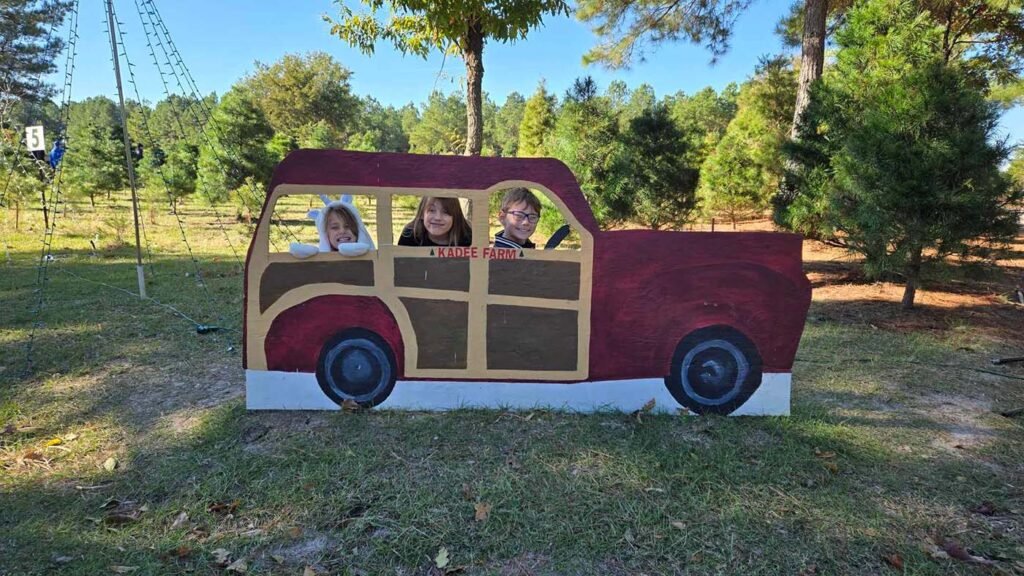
{"points": [[706, 322], [487, 252]]}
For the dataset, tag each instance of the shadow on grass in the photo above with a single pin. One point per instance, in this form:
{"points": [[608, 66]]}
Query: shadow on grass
{"points": [[848, 479], [381, 492], [997, 319]]}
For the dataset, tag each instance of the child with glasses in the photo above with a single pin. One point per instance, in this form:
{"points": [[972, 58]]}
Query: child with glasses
{"points": [[519, 214]]}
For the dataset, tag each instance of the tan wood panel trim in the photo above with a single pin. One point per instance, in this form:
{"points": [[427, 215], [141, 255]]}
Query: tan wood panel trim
{"points": [[287, 258], [533, 302], [478, 292], [500, 375]]}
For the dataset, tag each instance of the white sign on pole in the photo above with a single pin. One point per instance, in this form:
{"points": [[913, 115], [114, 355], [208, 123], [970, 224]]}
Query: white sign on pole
{"points": [[34, 138]]}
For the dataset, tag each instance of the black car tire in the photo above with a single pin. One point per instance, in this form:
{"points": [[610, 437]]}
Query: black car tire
{"points": [[357, 365], [714, 370]]}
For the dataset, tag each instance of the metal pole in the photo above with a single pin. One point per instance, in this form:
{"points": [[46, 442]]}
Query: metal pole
{"points": [[127, 150]]}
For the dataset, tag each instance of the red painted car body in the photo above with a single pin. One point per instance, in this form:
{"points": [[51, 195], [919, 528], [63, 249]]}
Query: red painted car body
{"points": [[650, 288]]}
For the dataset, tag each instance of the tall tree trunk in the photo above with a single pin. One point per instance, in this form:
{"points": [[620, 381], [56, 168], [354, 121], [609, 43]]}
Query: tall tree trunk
{"points": [[473, 54], [812, 56], [913, 274]]}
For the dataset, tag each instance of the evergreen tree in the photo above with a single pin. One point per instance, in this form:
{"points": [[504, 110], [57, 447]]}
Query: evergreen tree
{"points": [[659, 188], [506, 125], [378, 128], [703, 119], [586, 137], [95, 162], [538, 122], [28, 50], [743, 173], [897, 155], [441, 127], [235, 159]]}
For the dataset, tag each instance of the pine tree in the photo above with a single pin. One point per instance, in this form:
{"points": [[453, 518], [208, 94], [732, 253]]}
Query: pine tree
{"points": [[538, 123], [898, 156]]}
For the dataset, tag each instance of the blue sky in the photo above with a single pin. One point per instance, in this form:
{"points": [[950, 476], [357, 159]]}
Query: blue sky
{"points": [[221, 39]]}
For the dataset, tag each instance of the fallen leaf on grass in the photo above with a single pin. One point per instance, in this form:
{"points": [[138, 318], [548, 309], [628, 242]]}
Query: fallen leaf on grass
{"points": [[70, 437], [31, 458], [123, 569], [120, 518], [221, 557], [238, 566], [483, 510], [645, 409], [442, 559], [58, 559], [824, 455], [223, 508], [110, 464], [180, 520], [350, 406], [295, 531], [832, 467], [679, 525], [181, 552], [54, 442], [894, 560], [948, 548], [254, 433], [986, 508]]}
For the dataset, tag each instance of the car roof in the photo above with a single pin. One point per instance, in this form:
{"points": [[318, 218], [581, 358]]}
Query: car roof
{"points": [[387, 169]]}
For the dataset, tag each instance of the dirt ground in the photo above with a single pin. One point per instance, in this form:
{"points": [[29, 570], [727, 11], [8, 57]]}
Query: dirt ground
{"points": [[982, 293]]}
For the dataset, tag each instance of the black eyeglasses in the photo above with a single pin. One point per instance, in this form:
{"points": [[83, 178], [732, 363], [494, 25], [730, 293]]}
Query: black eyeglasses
{"points": [[519, 216]]}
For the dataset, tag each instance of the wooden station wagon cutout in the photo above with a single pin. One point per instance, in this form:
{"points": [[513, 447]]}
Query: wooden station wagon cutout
{"points": [[709, 322]]}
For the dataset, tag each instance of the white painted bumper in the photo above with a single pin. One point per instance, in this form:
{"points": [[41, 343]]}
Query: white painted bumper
{"points": [[266, 390]]}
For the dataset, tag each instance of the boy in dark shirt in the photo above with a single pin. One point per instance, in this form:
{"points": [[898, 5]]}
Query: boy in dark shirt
{"points": [[519, 214]]}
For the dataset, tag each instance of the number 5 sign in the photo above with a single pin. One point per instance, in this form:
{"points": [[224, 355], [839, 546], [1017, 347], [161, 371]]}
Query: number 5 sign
{"points": [[34, 139]]}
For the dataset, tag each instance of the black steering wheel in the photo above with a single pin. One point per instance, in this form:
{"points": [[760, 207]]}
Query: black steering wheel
{"points": [[557, 237]]}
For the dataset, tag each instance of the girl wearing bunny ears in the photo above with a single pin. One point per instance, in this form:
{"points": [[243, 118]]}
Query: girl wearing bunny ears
{"points": [[340, 228]]}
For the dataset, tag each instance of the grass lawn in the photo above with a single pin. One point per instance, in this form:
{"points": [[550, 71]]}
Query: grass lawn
{"points": [[128, 449]]}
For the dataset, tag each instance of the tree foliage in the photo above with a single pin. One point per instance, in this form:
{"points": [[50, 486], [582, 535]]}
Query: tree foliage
{"points": [[418, 27], [236, 156], [586, 137], [377, 127], [302, 96], [658, 188], [28, 49], [440, 128], [703, 118], [624, 27], [898, 156], [95, 161], [506, 125], [538, 122], [743, 173]]}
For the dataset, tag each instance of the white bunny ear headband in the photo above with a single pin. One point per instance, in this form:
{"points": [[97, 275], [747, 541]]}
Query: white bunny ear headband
{"points": [[362, 245]]}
